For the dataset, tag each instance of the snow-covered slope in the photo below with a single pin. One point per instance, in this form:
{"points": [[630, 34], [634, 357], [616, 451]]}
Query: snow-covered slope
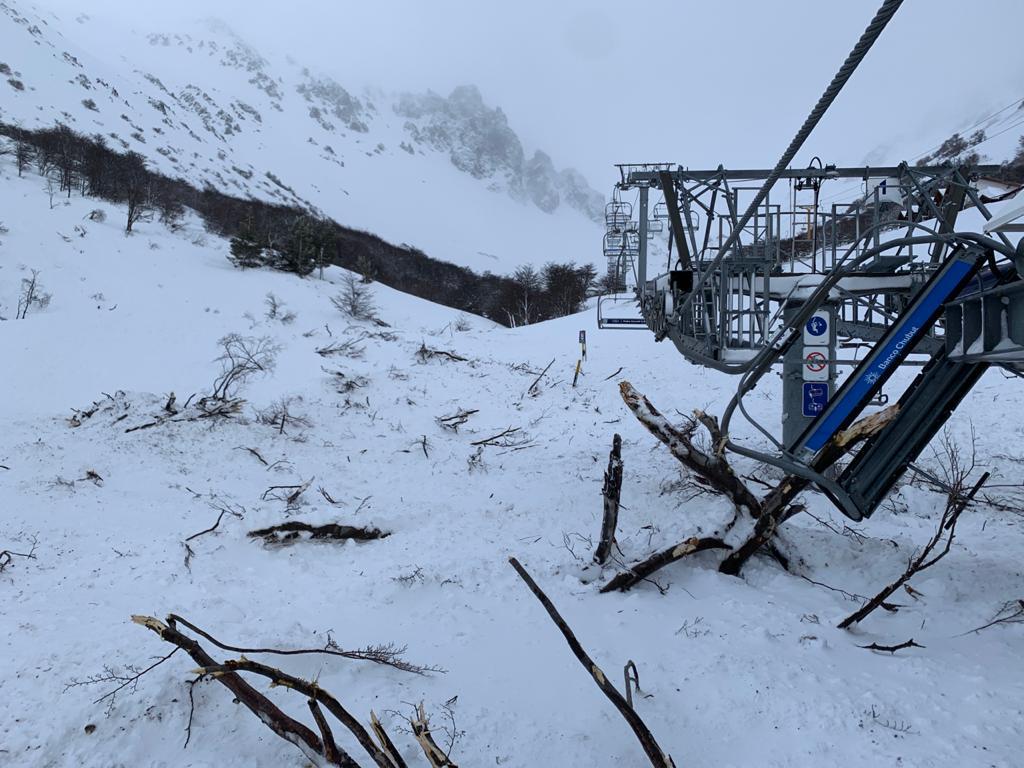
{"points": [[734, 672], [445, 174]]}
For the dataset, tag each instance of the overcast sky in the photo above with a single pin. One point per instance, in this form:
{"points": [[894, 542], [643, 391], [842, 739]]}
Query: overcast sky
{"points": [[700, 83]]}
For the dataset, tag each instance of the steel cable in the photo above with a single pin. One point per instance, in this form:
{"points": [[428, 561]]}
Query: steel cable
{"points": [[867, 39]]}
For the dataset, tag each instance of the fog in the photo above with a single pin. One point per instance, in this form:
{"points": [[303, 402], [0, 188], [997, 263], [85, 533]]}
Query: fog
{"points": [[595, 82]]}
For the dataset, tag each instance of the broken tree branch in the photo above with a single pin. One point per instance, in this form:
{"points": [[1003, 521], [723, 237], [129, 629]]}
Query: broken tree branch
{"points": [[533, 386], [643, 570], [436, 756], [1012, 612], [286, 727], [313, 691], [498, 438], [713, 468], [892, 648], [654, 753], [955, 505], [388, 655], [330, 745], [776, 507], [456, 420], [255, 453], [387, 746], [611, 492], [425, 353]]}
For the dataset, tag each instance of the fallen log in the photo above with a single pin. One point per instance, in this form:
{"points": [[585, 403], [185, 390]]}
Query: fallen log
{"points": [[287, 533]]}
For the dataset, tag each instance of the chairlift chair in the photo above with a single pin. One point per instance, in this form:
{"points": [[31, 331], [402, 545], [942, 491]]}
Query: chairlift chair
{"points": [[614, 243], [620, 312], [617, 214]]}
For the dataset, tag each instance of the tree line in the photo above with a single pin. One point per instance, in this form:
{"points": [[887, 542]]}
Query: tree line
{"points": [[289, 238]]}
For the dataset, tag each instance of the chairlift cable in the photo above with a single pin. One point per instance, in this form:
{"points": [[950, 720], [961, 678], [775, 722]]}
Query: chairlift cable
{"points": [[1015, 103], [871, 34], [846, 188]]}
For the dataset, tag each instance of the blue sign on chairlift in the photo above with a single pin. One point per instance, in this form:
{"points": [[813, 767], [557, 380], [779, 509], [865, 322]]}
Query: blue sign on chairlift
{"points": [[890, 352], [815, 398]]}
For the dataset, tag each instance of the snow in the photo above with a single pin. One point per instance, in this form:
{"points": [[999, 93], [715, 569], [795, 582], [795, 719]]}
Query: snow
{"points": [[734, 672], [204, 106]]}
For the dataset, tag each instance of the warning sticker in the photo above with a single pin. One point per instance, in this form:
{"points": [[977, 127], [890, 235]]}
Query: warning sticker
{"points": [[816, 330], [815, 399], [815, 365]]}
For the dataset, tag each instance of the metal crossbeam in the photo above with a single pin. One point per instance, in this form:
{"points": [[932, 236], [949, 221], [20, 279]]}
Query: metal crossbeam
{"points": [[682, 175]]}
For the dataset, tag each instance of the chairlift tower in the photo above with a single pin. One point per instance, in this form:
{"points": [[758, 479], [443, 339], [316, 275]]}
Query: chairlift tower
{"points": [[814, 279]]}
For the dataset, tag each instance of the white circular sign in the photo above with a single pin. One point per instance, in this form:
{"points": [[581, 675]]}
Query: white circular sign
{"points": [[816, 361]]}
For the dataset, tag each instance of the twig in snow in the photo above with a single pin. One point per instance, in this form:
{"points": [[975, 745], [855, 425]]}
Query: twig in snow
{"points": [[532, 389], [1012, 612], [350, 348], [956, 502], [892, 648], [455, 421], [899, 726], [328, 498], [255, 453], [224, 509], [293, 497], [425, 353], [503, 439], [111, 675], [7, 556], [891, 607]]}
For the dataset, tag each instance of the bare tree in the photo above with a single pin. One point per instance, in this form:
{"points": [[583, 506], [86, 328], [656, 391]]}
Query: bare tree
{"points": [[529, 287], [282, 415], [135, 186], [23, 154], [32, 295], [242, 357]]}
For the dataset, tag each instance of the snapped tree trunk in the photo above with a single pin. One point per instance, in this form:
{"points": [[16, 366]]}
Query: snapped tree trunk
{"points": [[611, 492]]}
